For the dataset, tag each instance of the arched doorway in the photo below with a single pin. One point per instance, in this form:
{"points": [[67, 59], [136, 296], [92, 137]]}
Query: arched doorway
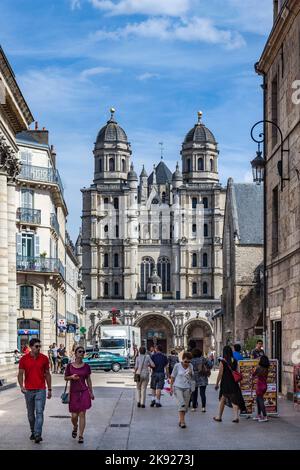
{"points": [[200, 332], [156, 329]]}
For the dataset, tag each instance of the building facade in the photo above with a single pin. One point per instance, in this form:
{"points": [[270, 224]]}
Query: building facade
{"points": [[279, 65], [152, 246], [15, 116], [242, 297]]}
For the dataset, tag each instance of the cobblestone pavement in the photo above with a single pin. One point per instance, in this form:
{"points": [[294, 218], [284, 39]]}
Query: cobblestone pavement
{"points": [[114, 422]]}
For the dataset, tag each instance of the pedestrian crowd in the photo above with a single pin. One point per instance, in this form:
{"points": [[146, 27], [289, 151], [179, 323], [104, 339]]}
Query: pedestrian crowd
{"points": [[182, 375]]}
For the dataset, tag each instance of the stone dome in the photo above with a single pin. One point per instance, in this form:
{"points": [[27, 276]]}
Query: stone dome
{"points": [[132, 176], [177, 175], [111, 132], [200, 133]]}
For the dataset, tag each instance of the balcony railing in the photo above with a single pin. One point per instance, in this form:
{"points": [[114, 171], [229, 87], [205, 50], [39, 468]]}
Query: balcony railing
{"points": [[40, 264], [28, 215], [39, 173], [54, 223], [26, 302]]}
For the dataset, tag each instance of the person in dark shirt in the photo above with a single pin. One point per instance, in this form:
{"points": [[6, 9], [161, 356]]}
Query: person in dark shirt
{"points": [[258, 351], [158, 375]]}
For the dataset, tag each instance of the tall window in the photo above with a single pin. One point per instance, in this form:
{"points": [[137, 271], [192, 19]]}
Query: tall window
{"points": [[117, 231], [105, 201], [211, 165], [111, 164], [274, 110], [116, 203], [116, 260], [100, 165], [147, 266], [204, 288], [194, 202], [194, 260], [200, 164], [163, 198], [26, 157], [26, 297], [205, 230], [105, 289], [204, 260], [275, 221], [106, 260], [164, 272], [189, 166], [27, 198], [116, 288], [194, 288], [194, 229], [205, 202], [123, 166]]}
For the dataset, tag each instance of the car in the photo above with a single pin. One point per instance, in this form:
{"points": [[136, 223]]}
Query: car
{"points": [[103, 360]]}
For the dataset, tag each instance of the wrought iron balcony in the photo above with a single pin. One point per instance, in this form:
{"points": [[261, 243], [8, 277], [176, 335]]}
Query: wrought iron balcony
{"points": [[26, 302], [28, 215], [40, 264], [54, 223], [39, 173]]}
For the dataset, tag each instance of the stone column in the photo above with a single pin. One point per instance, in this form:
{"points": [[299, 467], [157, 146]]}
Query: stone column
{"points": [[4, 319], [12, 274]]}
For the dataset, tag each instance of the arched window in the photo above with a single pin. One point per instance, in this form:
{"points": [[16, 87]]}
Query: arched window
{"points": [[205, 230], [194, 260], [194, 229], [111, 164], [212, 165], [164, 272], [204, 288], [205, 202], [116, 288], [123, 166], [105, 289], [116, 260], [106, 260], [194, 288], [100, 165], [105, 201], [117, 231], [188, 165], [147, 266], [200, 164], [116, 203], [26, 297], [106, 228], [194, 202], [204, 260]]}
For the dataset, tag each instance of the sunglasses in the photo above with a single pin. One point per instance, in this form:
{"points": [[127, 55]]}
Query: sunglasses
{"points": [[37, 345], [187, 362], [81, 351]]}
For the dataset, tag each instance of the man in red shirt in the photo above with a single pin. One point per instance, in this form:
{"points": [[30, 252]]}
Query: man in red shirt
{"points": [[35, 367]]}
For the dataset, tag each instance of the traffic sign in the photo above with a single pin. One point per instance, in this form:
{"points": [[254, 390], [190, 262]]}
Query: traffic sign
{"points": [[82, 330]]}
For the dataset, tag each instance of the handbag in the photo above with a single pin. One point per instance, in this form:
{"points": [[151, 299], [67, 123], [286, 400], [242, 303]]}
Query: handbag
{"points": [[237, 376], [137, 376], [65, 396]]}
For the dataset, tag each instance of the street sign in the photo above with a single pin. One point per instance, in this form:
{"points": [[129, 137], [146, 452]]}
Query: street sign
{"points": [[61, 323], [82, 330], [76, 338]]}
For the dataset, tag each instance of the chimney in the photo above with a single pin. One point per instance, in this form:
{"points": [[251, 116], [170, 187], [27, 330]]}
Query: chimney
{"points": [[36, 126], [53, 153]]}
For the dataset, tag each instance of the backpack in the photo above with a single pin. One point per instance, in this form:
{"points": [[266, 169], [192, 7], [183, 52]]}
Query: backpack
{"points": [[203, 368]]}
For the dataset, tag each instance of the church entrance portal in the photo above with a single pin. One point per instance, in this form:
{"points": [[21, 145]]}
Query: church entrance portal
{"points": [[156, 330]]}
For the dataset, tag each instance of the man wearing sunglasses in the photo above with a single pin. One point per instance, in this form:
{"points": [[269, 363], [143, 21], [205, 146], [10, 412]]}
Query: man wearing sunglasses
{"points": [[32, 377]]}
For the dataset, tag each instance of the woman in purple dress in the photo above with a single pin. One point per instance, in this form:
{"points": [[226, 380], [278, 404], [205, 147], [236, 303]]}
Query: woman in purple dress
{"points": [[81, 391]]}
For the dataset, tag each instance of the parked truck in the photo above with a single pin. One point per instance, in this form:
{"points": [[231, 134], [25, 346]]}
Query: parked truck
{"points": [[120, 339]]}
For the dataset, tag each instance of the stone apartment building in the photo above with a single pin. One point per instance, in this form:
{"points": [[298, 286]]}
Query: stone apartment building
{"points": [[279, 65], [15, 116], [151, 246], [242, 296]]}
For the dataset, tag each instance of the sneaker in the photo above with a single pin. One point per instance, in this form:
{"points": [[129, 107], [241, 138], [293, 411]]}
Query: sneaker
{"points": [[256, 418], [38, 439], [158, 405], [203, 410], [263, 420], [152, 403], [142, 406], [193, 409], [32, 437]]}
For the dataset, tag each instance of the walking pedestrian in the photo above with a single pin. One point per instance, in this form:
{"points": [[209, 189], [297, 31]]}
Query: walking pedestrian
{"points": [[32, 377], [143, 363], [81, 392], [60, 354], [181, 383], [50, 356], [172, 360], [261, 372], [230, 392], [54, 350], [158, 375], [258, 351], [202, 370]]}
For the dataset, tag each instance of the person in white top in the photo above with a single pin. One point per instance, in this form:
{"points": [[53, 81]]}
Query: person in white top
{"points": [[182, 379], [143, 364]]}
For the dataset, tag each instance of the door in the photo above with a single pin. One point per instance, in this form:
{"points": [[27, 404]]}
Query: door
{"points": [[27, 245], [277, 347]]}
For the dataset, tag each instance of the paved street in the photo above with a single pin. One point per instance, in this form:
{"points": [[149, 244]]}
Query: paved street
{"points": [[114, 422]]}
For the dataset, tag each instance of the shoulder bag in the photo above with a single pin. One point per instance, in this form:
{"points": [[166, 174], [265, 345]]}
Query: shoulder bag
{"points": [[137, 376], [65, 396]]}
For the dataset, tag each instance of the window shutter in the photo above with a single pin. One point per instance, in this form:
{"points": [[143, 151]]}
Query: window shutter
{"points": [[36, 246], [19, 244]]}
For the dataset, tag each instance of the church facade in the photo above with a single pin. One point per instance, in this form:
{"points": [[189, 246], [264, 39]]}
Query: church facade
{"points": [[151, 246]]}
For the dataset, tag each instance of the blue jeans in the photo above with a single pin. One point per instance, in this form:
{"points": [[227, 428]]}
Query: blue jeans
{"points": [[35, 403]]}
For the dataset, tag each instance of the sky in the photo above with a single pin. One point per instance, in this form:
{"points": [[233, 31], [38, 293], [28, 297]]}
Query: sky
{"points": [[157, 62]]}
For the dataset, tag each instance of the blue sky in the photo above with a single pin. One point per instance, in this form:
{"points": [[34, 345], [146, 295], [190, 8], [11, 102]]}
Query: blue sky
{"points": [[156, 61]]}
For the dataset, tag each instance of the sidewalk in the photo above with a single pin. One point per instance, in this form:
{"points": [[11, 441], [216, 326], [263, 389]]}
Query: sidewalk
{"points": [[114, 422]]}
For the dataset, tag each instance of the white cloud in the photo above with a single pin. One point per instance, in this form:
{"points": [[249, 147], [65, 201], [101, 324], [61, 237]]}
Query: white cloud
{"points": [[144, 7], [147, 76], [87, 73], [75, 4], [194, 30]]}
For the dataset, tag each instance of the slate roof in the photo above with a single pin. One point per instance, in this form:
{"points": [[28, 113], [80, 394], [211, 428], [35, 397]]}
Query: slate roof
{"points": [[248, 207], [200, 134], [111, 132], [163, 174]]}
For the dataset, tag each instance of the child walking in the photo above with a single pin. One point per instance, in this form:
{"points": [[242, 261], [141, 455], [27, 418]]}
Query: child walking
{"points": [[261, 373]]}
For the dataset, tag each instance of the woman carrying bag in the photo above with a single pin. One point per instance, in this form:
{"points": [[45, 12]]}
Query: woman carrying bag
{"points": [[183, 380], [143, 364], [81, 391]]}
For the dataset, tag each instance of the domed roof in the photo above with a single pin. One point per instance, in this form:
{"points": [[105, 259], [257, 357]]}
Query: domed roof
{"points": [[177, 175], [132, 176], [200, 133], [111, 132]]}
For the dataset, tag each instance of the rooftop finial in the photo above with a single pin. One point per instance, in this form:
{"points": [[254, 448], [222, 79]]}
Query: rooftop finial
{"points": [[161, 150], [112, 112], [199, 116]]}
